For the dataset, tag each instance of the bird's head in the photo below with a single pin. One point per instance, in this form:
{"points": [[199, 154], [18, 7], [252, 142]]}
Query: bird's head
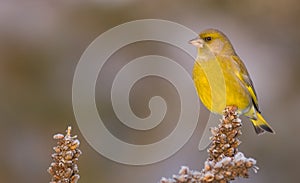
{"points": [[215, 41]]}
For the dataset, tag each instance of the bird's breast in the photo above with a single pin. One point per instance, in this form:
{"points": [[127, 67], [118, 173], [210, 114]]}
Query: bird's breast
{"points": [[218, 87]]}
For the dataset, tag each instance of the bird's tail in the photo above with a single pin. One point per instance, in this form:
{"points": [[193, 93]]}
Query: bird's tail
{"points": [[260, 125]]}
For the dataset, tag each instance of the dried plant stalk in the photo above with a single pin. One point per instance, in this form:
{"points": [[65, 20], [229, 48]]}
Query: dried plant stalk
{"points": [[225, 162], [64, 167]]}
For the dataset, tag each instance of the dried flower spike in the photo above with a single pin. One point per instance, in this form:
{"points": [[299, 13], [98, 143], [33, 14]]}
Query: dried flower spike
{"points": [[64, 167], [225, 162]]}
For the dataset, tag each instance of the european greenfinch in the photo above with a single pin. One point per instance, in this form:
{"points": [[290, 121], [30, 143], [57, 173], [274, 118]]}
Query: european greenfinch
{"points": [[221, 79]]}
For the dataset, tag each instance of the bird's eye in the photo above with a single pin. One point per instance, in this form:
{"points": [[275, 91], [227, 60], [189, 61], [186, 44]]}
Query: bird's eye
{"points": [[207, 39]]}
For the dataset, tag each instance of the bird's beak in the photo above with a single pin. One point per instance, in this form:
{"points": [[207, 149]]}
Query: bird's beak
{"points": [[198, 42]]}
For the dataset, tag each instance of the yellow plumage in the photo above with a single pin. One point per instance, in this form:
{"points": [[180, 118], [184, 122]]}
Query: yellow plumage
{"points": [[221, 78]]}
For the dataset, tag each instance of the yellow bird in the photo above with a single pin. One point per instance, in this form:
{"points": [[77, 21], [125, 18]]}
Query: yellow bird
{"points": [[221, 79]]}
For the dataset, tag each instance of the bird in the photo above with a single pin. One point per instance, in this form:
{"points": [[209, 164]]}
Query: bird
{"points": [[221, 79]]}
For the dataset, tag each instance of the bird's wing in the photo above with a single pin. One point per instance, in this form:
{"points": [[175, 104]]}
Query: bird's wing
{"points": [[242, 73]]}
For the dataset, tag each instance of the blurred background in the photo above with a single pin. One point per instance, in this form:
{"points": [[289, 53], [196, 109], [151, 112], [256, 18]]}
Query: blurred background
{"points": [[41, 43]]}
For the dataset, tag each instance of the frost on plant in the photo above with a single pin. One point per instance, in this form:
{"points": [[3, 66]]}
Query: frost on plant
{"points": [[225, 162]]}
